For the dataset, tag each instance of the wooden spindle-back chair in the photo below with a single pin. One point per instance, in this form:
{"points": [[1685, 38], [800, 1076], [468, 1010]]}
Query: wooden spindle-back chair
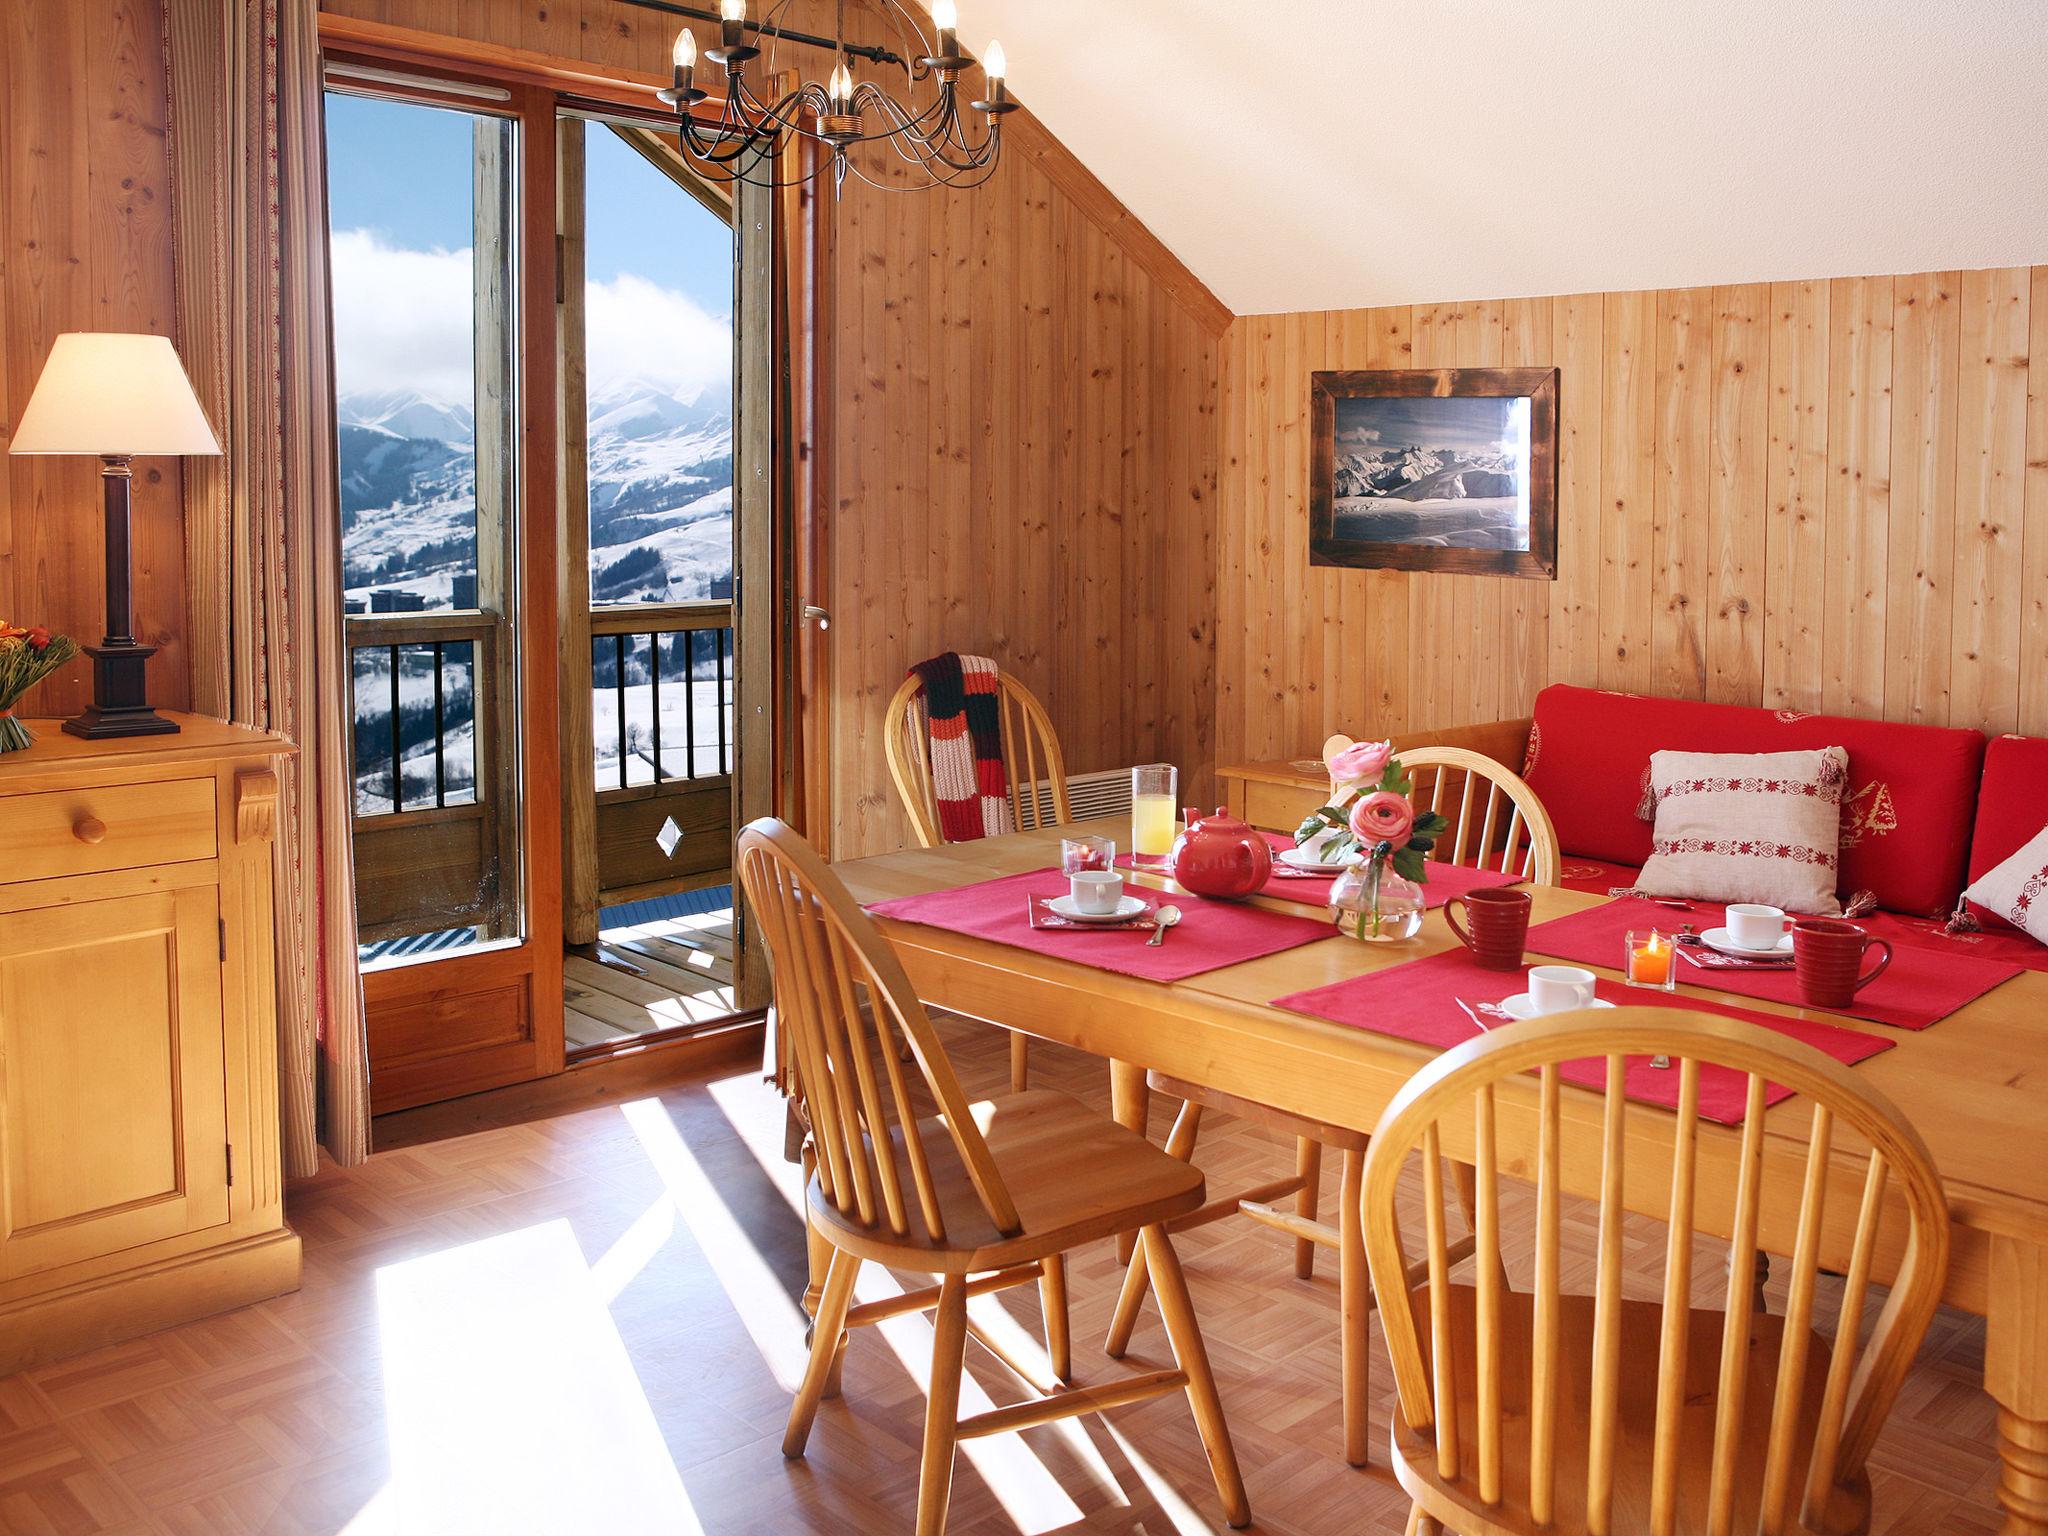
{"points": [[1031, 756], [907, 1173], [1524, 829], [1505, 828], [1522, 1412]]}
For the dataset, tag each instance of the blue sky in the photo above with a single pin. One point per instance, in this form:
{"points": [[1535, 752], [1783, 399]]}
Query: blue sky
{"points": [[1465, 424], [401, 171], [658, 264]]}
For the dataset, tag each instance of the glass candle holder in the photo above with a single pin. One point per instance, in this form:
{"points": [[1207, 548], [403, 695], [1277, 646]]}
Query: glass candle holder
{"points": [[1650, 960], [1154, 802], [1084, 854]]}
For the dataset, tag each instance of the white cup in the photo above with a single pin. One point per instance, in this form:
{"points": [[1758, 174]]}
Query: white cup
{"points": [[1556, 988], [1755, 926], [1096, 891]]}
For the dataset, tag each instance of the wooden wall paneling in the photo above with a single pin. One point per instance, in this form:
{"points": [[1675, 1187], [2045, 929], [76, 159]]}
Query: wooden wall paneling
{"points": [[1526, 342], [2033, 717], [1578, 329], [1990, 499], [1859, 492], [1680, 520], [1233, 540], [1261, 633], [1628, 491], [1920, 549], [1309, 598], [1737, 486], [85, 244], [1795, 580], [1139, 484]]}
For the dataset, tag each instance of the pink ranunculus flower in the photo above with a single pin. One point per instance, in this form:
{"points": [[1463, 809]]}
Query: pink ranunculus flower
{"points": [[1360, 763], [1383, 817]]}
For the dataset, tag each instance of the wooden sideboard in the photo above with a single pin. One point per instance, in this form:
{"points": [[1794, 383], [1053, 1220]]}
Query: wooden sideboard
{"points": [[140, 1179]]}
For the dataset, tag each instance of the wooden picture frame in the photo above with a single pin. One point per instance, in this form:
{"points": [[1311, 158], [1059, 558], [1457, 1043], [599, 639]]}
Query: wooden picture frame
{"points": [[1342, 531]]}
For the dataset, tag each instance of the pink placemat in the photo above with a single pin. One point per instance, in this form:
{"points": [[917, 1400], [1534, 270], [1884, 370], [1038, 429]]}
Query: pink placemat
{"points": [[1929, 933], [1209, 936], [1444, 882], [1419, 1001], [1918, 989]]}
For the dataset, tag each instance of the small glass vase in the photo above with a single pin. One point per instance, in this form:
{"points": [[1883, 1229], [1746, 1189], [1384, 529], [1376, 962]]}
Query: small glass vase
{"points": [[14, 735], [1375, 904]]}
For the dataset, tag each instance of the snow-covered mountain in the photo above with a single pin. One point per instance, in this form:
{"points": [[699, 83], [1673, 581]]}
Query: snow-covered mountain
{"points": [[1423, 474], [660, 497]]}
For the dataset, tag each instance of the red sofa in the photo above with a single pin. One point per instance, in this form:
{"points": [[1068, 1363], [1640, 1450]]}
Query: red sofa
{"points": [[1929, 808]]}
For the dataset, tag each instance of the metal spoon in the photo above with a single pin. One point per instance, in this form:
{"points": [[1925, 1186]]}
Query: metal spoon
{"points": [[1162, 920]]}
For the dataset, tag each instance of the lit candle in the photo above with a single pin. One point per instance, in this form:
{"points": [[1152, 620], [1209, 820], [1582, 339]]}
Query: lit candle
{"points": [[1649, 961]]}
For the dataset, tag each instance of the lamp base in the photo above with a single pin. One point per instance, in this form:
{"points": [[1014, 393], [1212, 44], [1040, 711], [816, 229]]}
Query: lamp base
{"points": [[120, 695]]}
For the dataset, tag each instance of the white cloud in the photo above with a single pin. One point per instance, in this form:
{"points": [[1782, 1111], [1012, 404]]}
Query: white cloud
{"points": [[401, 319], [402, 322], [1359, 435], [635, 329]]}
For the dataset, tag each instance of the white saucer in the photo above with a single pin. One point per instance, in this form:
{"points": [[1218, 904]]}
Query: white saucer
{"points": [[1127, 908], [1724, 941], [1294, 858], [1519, 1006]]}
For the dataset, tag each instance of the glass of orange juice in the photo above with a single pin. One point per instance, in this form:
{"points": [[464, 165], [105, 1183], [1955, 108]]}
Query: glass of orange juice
{"points": [[1154, 787]]}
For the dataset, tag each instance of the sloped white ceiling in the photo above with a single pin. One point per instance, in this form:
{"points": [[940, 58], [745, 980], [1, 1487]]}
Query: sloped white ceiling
{"points": [[1334, 153]]}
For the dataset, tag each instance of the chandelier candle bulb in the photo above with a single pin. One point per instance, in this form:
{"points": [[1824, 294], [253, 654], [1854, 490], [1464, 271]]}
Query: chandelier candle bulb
{"points": [[841, 88], [946, 17], [685, 51]]}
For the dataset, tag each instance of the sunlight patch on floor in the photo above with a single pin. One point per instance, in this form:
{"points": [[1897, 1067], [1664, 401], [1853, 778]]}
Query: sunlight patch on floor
{"points": [[772, 1319], [510, 1401]]}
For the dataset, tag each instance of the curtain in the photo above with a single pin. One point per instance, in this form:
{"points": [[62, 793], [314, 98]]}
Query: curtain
{"points": [[263, 529]]}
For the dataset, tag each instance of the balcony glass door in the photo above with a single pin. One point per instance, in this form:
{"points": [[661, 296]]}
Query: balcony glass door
{"points": [[421, 201]]}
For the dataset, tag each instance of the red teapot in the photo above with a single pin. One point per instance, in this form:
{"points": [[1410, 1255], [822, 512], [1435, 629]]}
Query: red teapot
{"points": [[1219, 855]]}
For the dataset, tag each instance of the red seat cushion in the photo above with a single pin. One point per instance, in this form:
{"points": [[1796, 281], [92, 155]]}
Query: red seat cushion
{"points": [[2012, 805], [1905, 823]]}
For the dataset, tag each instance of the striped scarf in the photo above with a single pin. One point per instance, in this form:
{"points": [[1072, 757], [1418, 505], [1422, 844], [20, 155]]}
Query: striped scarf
{"points": [[964, 721]]}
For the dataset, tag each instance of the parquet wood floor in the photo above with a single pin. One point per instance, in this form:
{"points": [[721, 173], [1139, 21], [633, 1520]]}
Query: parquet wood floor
{"points": [[589, 1324]]}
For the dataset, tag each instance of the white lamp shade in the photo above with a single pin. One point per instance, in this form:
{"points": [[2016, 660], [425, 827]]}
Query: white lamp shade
{"points": [[113, 394]]}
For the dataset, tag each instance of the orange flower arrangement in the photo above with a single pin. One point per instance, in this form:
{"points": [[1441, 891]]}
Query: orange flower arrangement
{"points": [[28, 654]]}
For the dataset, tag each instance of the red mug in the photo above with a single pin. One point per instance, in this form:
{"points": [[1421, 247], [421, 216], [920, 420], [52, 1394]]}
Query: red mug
{"points": [[1500, 926], [1828, 955]]}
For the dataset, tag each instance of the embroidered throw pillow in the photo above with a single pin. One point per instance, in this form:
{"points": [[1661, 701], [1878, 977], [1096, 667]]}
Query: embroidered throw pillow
{"points": [[1763, 826], [2017, 890]]}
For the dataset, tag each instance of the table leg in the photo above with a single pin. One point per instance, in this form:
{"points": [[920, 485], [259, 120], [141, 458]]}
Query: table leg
{"points": [[2016, 1376], [1131, 1103]]}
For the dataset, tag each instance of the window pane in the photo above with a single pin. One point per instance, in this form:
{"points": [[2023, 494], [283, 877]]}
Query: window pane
{"points": [[402, 209], [421, 204], [658, 268]]}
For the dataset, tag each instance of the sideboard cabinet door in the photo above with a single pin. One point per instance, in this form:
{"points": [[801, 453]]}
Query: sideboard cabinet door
{"points": [[113, 1119]]}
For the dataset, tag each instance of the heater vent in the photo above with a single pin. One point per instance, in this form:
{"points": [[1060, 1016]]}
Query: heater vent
{"points": [[1089, 795]]}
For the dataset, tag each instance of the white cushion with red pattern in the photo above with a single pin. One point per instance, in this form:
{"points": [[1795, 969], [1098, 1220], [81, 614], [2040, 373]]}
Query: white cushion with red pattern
{"points": [[2017, 890], [1748, 826]]}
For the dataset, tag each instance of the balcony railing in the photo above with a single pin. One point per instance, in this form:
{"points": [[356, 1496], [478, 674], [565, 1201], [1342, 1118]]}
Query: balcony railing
{"points": [[416, 678], [662, 692]]}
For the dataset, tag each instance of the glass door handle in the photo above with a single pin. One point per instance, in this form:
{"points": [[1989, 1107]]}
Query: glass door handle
{"points": [[813, 614]]}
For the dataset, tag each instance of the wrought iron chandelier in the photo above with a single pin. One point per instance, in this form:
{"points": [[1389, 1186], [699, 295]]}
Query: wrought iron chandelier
{"points": [[745, 141]]}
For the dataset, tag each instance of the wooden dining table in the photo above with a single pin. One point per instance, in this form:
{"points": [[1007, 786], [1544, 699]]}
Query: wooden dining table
{"points": [[1975, 1085]]}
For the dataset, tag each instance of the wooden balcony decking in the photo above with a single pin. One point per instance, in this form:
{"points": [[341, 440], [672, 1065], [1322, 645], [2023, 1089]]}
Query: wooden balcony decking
{"points": [[657, 974]]}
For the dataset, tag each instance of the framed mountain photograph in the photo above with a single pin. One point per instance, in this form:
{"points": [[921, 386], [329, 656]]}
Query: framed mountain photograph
{"points": [[1435, 469]]}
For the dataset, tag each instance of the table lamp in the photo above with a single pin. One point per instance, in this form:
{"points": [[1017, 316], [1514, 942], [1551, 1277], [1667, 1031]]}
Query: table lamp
{"points": [[115, 396]]}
